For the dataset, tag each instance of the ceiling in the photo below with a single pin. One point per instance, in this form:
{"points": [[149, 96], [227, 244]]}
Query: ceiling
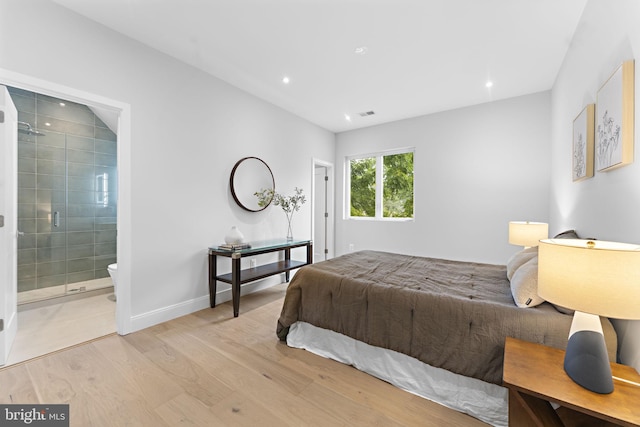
{"points": [[422, 56]]}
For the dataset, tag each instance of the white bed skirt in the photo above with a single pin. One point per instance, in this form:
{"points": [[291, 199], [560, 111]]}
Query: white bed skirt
{"points": [[484, 401]]}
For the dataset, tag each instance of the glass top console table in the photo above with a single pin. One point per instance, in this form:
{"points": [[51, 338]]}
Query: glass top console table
{"points": [[238, 276]]}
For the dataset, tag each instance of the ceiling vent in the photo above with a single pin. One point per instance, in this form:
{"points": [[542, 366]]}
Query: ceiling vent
{"points": [[366, 113]]}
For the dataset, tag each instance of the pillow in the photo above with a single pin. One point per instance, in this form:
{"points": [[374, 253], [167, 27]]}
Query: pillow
{"points": [[569, 234], [519, 258], [563, 310], [524, 285]]}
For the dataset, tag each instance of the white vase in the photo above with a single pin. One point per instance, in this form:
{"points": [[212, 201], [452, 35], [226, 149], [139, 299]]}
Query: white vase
{"points": [[234, 236]]}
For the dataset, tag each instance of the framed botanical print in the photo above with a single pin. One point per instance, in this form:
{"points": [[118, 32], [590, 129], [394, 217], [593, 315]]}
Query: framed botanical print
{"points": [[583, 132], [615, 119]]}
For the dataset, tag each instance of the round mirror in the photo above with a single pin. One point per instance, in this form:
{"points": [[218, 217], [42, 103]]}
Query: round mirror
{"points": [[251, 175]]}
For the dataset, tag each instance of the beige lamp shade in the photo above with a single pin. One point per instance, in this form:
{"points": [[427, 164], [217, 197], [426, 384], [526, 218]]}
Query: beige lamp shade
{"points": [[595, 277], [525, 233]]}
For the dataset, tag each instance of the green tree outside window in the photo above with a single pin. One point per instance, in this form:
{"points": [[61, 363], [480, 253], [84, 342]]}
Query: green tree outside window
{"points": [[363, 187], [390, 177], [397, 187]]}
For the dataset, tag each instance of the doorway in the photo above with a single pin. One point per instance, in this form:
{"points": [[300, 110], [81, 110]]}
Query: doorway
{"points": [[120, 115], [322, 210], [66, 211], [67, 197]]}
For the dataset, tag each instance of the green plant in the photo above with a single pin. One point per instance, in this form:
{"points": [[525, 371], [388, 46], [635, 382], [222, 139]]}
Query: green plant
{"points": [[289, 204]]}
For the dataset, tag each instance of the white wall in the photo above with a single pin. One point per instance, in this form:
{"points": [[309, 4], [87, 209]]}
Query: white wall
{"points": [[187, 131], [476, 169], [607, 205]]}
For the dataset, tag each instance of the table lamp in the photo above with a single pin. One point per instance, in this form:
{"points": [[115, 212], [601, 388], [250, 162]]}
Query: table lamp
{"points": [[595, 278], [527, 234]]}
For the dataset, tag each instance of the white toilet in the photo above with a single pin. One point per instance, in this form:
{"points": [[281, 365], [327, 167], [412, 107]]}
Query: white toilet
{"points": [[113, 272]]}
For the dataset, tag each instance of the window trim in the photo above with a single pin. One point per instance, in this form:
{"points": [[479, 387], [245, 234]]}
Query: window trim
{"points": [[379, 193]]}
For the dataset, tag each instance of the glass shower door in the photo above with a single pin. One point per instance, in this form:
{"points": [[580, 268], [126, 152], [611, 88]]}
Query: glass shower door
{"points": [[67, 197], [41, 213]]}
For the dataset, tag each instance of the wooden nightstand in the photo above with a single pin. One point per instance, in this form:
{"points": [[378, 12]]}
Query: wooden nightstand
{"points": [[535, 376]]}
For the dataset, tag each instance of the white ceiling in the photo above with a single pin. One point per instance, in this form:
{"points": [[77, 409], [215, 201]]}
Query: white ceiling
{"points": [[423, 56]]}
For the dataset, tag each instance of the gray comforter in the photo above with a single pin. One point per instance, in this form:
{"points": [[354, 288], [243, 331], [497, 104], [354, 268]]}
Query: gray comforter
{"points": [[450, 314]]}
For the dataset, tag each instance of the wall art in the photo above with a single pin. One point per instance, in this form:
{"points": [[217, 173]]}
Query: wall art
{"points": [[615, 119], [583, 132]]}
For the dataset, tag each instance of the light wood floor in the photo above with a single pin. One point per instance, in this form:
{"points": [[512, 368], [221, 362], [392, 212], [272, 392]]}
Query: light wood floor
{"points": [[209, 369]]}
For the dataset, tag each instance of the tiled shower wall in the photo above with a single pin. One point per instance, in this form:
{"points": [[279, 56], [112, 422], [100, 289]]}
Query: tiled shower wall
{"points": [[71, 170]]}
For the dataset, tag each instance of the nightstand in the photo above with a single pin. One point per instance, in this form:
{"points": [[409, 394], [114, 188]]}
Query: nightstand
{"points": [[535, 376]]}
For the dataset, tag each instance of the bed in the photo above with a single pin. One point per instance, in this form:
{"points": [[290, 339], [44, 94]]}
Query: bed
{"points": [[434, 327]]}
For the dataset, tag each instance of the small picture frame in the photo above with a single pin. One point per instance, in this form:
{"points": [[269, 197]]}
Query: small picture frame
{"points": [[583, 144], [614, 133]]}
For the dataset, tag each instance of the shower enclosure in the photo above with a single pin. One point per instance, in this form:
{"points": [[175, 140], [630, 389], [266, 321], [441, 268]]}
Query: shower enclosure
{"points": [[67, 197]]}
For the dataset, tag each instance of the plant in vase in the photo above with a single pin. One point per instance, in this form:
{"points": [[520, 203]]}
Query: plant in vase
{"points": [[289, 204]]}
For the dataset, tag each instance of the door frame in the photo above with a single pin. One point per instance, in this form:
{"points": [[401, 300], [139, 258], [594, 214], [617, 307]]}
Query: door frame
{"points": [[9, 228], [123, 110], [315, 163]]}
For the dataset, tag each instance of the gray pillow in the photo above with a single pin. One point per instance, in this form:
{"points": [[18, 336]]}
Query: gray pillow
{"points": [[519, 258], [563, 310], [524, 284], [569, 234]]}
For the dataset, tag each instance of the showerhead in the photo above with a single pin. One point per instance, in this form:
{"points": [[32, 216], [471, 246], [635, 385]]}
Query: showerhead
{"points": [[26, 128]]}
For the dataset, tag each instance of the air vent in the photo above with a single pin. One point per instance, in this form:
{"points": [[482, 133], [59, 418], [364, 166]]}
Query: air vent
{"points": [[366, 113]]}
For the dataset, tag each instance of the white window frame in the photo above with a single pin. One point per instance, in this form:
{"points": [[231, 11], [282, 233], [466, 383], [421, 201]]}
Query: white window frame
{"points": [[379, 172]]}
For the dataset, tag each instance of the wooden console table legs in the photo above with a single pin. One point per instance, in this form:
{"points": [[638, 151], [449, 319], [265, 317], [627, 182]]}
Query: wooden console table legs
{"points": [[237, 277], [235, 285], [235, 282], [213, 272]]}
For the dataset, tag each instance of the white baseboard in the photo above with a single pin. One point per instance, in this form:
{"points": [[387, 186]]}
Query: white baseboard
{"points": [[154, 317]]}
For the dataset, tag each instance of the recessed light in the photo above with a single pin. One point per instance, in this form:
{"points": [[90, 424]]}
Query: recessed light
{"points": [[488, 84], [286, 80], [62, 104], [47, 124], [362, 50], [347, 117]]}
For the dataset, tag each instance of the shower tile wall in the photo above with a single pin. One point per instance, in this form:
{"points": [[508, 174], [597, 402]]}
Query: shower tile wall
{"points": [[71, 170]]}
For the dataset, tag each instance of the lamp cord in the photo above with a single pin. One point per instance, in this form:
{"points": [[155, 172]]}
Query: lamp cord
{"points": [[626, 381]]}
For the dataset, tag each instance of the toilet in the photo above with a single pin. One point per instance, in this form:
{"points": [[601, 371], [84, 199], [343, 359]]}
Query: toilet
{"points": [[113, 272]]}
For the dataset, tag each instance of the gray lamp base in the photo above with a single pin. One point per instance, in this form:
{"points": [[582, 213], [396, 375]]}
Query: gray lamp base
{"points": [[587, 363]]}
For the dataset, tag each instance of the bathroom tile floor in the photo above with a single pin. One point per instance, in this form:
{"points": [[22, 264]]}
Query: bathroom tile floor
{"points": [[53, 326], [26, 297]]}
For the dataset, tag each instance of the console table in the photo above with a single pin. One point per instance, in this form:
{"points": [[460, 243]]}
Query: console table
{"points": [[238, 276]]}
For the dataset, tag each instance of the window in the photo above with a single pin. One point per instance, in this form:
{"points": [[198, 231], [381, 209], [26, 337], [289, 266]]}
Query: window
{"points": [[380, 186]]}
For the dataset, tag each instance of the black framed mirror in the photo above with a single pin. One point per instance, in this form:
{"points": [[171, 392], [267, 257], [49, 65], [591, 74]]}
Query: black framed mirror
{"points": [[250, 175]]}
